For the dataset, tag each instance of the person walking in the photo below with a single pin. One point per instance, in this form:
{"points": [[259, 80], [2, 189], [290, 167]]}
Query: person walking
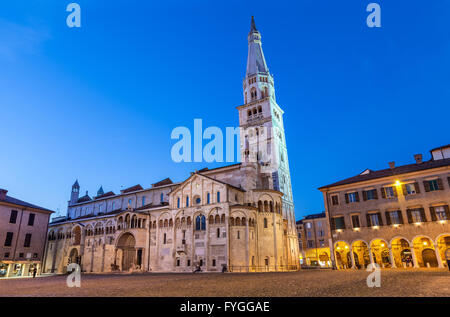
{"points": [[34, 272]]}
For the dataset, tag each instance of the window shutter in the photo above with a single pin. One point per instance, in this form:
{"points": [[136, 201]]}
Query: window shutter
{"points": [[416, 187], [433, 214], [408, 213], [357, 197], [383, 192], [440, 184], [447, 212], [346, 198], [426, 184], [422, 215], [394, 189], [388, 218], [404, 190], [343, 223], [375, 192], [333, 223], [368, 220], [400, 216], [380, 219], [364, 195]]}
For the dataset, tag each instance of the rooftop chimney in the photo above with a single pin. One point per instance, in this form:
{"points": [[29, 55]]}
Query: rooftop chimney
{"points": [[418, 158], [392, 165], [3, 193]]}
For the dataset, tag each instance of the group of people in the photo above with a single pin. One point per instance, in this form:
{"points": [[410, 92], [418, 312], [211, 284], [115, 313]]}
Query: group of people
{"points": [[198, 269]]}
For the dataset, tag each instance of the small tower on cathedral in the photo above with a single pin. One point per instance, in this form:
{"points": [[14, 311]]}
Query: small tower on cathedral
{"points": [[100, 191], [75, 194]]}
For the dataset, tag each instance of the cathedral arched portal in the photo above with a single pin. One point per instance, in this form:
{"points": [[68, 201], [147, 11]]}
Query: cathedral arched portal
{"points": [[127, 245]]}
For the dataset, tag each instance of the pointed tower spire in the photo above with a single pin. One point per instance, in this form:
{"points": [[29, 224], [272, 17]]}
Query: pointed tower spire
{"points": [[100, 191], [253, 25], [256, 63]]}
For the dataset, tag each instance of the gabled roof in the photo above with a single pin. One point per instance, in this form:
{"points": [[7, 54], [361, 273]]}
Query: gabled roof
{"points": [[151, 205], [84, 198], [391, 172], [18, 202], [315, 216], [238, 188], [108, 194], [131, 189], [166, 181]]}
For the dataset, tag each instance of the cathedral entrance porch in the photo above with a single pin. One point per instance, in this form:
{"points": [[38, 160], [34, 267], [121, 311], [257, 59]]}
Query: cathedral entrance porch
{"points": [[126, 252]]}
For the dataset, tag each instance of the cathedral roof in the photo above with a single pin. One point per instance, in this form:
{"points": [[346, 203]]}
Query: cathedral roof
{"points": [[84, 198], [166, 181], [132, 189]]}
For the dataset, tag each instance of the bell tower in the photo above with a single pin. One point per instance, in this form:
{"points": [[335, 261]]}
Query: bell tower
{"points": [[75, 194], [262, 130]]}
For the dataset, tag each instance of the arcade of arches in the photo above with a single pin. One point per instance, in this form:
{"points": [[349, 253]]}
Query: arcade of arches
{"points": [[399, 252]]}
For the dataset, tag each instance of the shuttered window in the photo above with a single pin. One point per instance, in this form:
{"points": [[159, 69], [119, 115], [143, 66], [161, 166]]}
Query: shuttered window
{"points": [[8, 240], [339, 222], [433, 185], [335, 200], [27, 241], [13, 216], [355, 221]]}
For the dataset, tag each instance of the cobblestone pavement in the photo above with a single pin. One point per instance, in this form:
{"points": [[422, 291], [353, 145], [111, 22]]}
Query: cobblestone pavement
{"points": [[431, 282]]}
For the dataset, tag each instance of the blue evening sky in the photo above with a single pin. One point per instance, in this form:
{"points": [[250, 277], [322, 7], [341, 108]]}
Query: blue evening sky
{"points": [[99, 103]]}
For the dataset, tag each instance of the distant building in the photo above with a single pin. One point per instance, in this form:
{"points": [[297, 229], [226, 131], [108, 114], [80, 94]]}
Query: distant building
{"points": [[23, 230], [313, 235], [394, 217]]}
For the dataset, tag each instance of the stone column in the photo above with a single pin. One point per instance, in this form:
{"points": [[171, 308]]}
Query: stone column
{"points": [[352, 256], [207, 243], [438, 257], [371, 256], [413, 253], [391, 256], [275, 253], [246, 244]]}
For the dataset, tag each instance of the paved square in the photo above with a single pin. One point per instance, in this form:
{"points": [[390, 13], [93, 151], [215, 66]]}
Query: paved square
{"points": [[432, 282]]}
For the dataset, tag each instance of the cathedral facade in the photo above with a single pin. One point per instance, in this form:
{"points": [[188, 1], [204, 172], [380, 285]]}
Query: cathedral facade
{"points": [[239, 217]]}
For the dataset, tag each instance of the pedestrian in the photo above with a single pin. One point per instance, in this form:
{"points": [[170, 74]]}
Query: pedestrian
{"points": [[447, 256], [34, 272], [224, 268]]}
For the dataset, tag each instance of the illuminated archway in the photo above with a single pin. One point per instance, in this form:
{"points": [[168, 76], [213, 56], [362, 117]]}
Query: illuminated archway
{"points": [[380, 252], [424, 251], [361, 254], [342, 254]]}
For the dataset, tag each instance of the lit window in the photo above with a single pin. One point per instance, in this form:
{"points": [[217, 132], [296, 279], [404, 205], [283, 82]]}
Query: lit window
{"points": [[440, 213], [416, 215], [410, 189], [433, 184], [374, 220], [352, 197], [389, 192], [395, 219]]}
